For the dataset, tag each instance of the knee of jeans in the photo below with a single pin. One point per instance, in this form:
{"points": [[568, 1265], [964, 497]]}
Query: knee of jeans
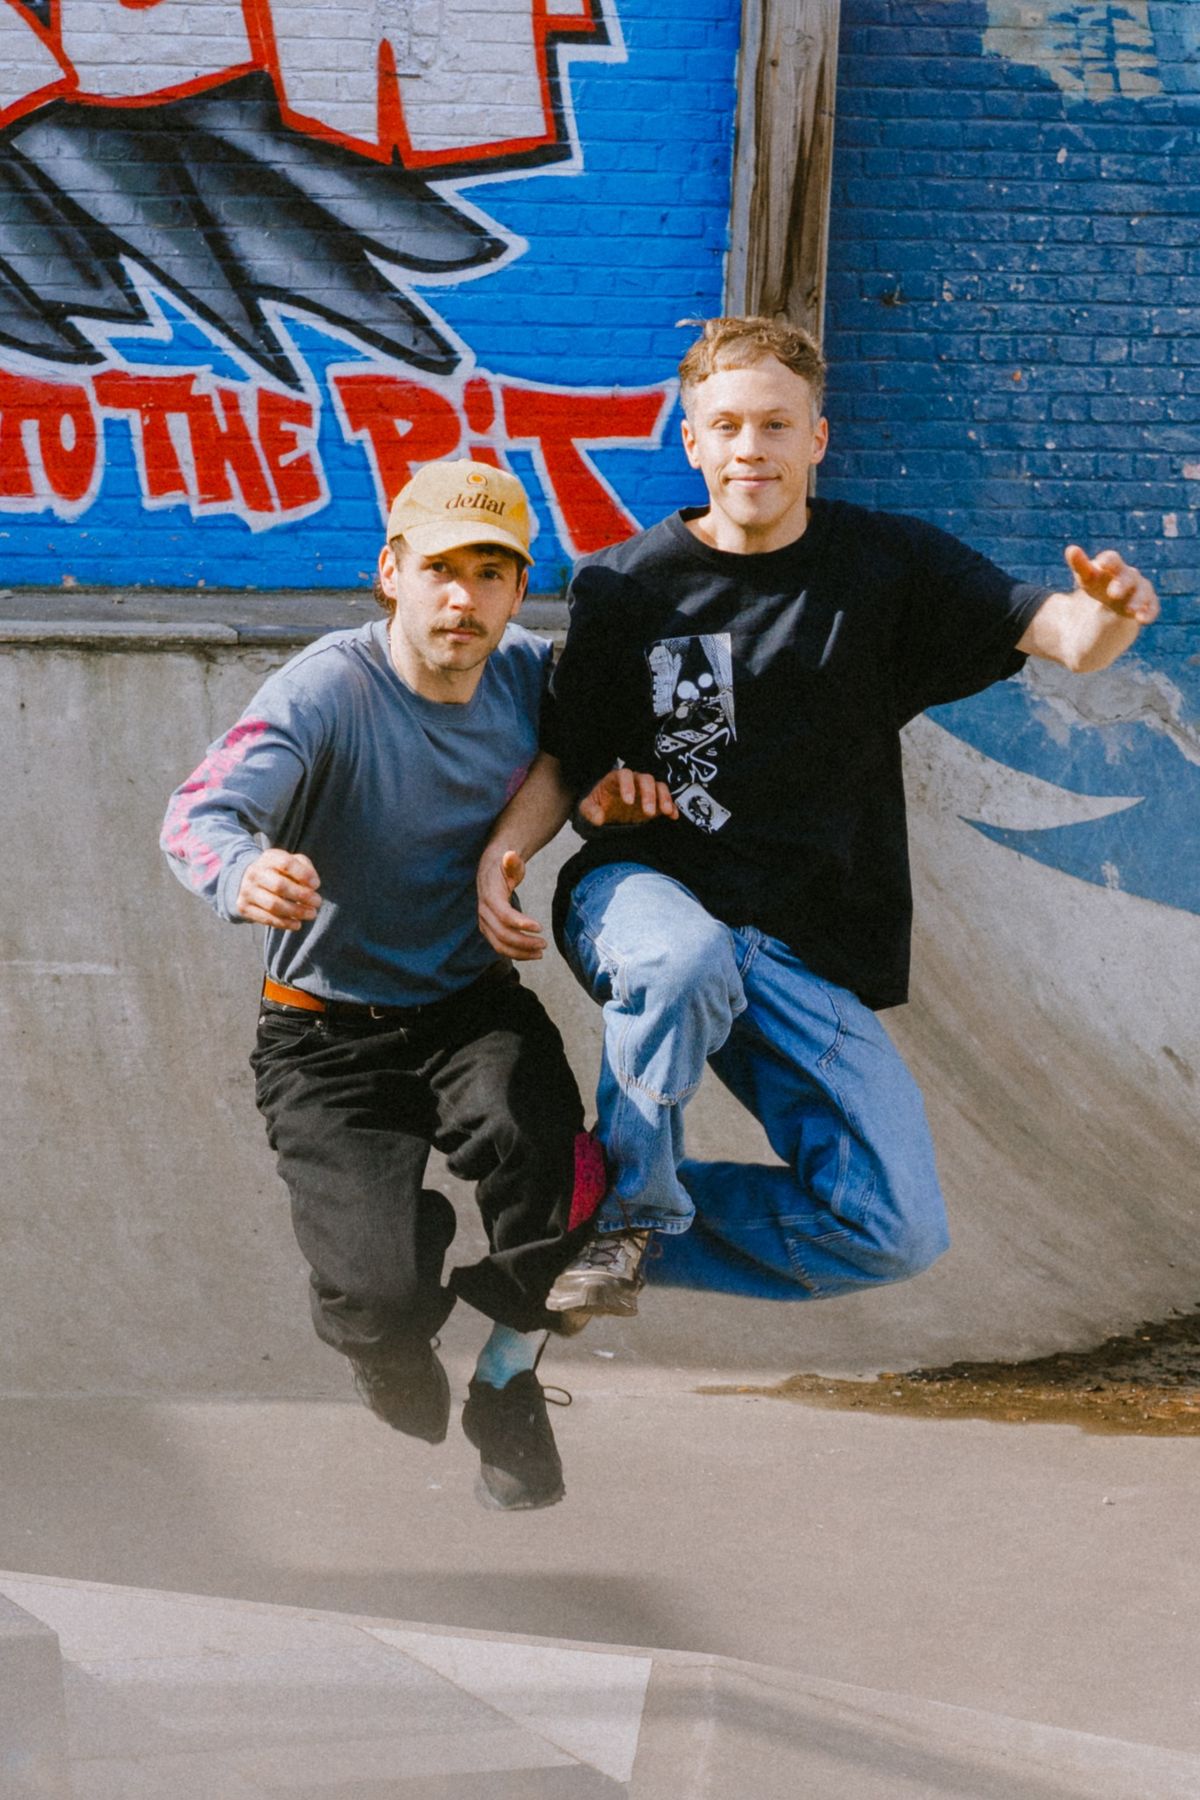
{"points": [[905, 1246], [697, 972]]}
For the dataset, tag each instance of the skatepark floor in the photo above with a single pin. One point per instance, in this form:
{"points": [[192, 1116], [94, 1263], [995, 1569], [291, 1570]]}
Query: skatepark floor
{"points": [[1032, 1572]]}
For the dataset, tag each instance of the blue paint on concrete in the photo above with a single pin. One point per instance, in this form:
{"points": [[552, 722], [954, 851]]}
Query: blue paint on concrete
{"points": [[1148, 848]]}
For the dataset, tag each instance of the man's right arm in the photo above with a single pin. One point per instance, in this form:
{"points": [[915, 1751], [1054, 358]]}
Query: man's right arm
{"points": [[243, 790], [588, 698], [537, 812]]}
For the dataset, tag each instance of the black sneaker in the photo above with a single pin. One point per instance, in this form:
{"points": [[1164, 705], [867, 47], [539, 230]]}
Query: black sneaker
{"points": [[407, 1389], [519, 1464]]}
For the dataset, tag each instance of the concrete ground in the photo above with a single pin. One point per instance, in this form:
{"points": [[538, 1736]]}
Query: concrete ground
{"points": [[1032, 1572]]}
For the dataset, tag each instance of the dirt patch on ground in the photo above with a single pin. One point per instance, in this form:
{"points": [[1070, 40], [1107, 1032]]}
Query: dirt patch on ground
{"points": [[1146, 1384]]}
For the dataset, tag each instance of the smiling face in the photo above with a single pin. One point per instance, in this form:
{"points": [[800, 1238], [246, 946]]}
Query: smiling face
{"points": [[752, 434], [449, 613]]}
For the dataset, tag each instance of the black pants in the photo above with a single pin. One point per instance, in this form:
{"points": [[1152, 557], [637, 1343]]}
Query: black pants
{"points": [[352, 1107]]}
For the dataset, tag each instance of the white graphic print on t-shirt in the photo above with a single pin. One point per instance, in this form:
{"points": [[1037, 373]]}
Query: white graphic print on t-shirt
{"points": [[693, 702]]}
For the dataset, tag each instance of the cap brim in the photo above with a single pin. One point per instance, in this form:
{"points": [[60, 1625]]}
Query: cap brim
{"points": [[459, 534]]}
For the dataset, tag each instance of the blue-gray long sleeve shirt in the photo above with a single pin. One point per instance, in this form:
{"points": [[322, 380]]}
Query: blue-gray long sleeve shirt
{"points": [[390, 795]]}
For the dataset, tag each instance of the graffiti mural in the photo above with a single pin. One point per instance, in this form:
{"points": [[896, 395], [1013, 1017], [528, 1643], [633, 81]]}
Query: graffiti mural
{"points": [[227, 246]]}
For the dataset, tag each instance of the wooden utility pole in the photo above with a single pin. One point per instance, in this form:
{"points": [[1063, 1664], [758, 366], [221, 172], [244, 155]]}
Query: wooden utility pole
{"points": [[779, 220]]}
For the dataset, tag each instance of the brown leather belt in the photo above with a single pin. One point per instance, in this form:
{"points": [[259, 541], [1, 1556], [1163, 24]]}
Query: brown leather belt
{"points": [[290, 996], [280, 994]]}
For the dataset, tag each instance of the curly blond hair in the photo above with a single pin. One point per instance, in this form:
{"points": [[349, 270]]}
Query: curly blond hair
{"points": [[733, 343]]}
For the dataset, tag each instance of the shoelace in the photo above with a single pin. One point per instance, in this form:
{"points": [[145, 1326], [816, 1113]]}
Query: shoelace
{"points": [[549, 1393], [606, 1256]]}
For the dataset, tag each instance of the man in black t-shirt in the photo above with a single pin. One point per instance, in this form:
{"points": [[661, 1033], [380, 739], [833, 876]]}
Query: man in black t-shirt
{"points": [[759, 657]]}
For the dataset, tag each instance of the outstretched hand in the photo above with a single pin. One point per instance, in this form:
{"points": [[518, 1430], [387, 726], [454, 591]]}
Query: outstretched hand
{"points": [[627, 797], [279, 888], [1115, 583]]}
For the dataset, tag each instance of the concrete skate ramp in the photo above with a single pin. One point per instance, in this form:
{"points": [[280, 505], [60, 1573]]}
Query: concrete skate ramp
{"points": [[1054, 1031]]}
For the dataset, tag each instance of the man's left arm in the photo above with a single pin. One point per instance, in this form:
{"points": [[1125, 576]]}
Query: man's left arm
{"points": [[1089, 627]]}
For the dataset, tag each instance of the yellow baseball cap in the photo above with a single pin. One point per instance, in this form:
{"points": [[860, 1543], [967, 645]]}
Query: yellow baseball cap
{"points": [[447, 505]]}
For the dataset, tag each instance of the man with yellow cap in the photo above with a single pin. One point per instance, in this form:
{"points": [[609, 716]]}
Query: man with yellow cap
{"points": [[373, 764]]}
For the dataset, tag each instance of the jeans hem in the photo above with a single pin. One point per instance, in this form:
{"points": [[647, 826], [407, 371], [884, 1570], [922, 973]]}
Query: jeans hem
{"points": [[666, 1227]]}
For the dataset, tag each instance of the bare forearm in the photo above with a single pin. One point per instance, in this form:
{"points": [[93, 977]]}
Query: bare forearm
{"points": [[532, 817], [1098, 620], [537, 811]]}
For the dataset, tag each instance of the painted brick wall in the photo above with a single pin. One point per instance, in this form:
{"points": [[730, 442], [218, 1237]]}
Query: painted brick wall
{"points": [[1015, 278], [1014, 298], [256, 259]]}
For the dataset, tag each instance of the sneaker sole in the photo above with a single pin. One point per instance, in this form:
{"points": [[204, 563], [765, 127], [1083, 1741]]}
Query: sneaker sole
{"points": [[571, 1322], [612, 1306], [529, 1503]]}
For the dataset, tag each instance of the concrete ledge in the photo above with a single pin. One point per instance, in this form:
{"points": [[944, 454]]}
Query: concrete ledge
{"points": [[33, 1720], [108, 634], [712, 1728], [152, 620], [198, 1696]]}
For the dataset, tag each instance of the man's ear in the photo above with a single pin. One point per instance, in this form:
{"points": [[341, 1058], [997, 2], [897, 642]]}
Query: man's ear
{"points": [[522, 590], [388, 572], [820, 440], [689, 442]]}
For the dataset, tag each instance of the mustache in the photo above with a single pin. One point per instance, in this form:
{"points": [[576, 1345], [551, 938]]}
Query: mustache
{"points": [[470, 625]]}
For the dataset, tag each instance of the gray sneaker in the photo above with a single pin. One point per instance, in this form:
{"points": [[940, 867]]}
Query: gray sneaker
{"points": [[606, 1278]]}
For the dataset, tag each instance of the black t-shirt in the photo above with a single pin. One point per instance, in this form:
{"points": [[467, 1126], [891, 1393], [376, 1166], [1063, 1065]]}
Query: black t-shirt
{"points": [[768, 691]]}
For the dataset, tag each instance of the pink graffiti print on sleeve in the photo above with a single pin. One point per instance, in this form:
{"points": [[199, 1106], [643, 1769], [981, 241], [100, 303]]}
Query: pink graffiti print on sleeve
{"points": [[181, 839]]}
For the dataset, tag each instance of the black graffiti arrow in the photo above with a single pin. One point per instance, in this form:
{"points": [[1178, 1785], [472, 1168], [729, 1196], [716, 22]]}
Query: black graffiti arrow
{"points": [[227, 207]]}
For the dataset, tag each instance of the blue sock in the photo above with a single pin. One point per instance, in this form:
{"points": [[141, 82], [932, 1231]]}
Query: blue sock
{"points": [[506, 1353]]}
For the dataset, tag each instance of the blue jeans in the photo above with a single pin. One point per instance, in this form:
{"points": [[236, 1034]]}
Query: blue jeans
{"points": [[857, 1202]]}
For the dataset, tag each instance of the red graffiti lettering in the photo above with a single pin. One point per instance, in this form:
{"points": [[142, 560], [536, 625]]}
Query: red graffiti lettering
{"points": [[282, 418], [558, 424], [251, 449], [223, 447], [403, 423], [48, 440], [155, 400], [219, 444], [406, 423], [479, 407]]}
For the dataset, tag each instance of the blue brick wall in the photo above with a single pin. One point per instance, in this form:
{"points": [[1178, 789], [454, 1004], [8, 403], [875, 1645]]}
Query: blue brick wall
{"points": [[1014, 296], [1013, 290]]}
